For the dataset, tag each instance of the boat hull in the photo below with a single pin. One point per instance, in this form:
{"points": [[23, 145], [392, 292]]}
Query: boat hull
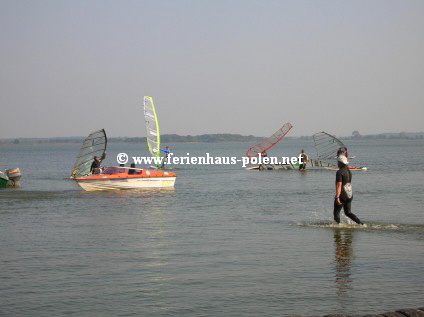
{"points": [[3, 180], [123, 180], [10, 178], [129, 183]]}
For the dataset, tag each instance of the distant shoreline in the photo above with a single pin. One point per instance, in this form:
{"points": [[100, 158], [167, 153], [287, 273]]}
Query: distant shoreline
{"points": [[209, 138]]}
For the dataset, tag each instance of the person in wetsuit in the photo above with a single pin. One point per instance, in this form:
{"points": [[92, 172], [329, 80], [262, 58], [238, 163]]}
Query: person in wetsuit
{"points": [[95, 166], [167, 151], [341, 200], [305, 158], [132, 170]]}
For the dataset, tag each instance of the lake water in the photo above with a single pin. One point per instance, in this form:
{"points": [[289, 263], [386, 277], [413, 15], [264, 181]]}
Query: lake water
{"points": [[224, 242]]}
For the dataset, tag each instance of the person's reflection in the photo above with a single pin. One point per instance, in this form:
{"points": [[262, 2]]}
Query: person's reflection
{"points": [[343, 258]]}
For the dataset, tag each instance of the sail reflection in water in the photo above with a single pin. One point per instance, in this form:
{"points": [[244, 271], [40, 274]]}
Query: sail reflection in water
{"points": [[343, 260]]}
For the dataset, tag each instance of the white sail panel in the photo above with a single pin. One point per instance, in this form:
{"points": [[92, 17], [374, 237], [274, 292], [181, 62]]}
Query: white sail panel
{"points": [[152, 127]]}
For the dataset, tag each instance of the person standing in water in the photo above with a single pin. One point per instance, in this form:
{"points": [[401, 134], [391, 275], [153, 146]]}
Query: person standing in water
{"points": [[344, 195], [304, 157]]}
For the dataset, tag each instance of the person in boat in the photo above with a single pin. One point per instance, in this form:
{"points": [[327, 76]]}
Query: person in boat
{"points": [[167, 151], [132, 170], [263, 154], [95, 166], [305, 158], [343, 198]]}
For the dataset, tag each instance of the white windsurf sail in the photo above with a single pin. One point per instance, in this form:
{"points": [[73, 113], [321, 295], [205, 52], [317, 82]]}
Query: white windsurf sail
{"points": [[327, 146], [94, 145], [269, 142], [152, 127]]}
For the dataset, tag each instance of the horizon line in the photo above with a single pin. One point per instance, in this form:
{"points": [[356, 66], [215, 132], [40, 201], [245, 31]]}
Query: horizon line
{"points": [[186, 135]]}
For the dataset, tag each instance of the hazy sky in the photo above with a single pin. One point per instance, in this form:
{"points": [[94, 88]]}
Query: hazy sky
{"points": [[237, 66]]}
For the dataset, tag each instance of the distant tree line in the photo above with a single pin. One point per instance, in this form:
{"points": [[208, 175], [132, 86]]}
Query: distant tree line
{"points": [[204, 138], [210, 138], [166, 138], [391, 136], [381, 136]]}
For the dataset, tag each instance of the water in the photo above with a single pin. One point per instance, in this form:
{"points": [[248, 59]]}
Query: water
{"points": [[224, 242]]}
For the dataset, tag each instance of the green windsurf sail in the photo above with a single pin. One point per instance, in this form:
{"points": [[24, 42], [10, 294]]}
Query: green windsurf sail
{"points": [[152, 127], [93, 145]]}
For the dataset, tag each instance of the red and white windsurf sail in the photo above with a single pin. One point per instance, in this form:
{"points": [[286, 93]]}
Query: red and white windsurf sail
{"points": [[270, 142]]}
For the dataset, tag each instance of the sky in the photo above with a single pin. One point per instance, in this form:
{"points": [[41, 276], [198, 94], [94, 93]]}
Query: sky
{"points": [[70, 67]]}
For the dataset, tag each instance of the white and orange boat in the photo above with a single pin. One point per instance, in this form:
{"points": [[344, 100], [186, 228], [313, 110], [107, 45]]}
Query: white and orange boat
{"points": [[121, 177]]}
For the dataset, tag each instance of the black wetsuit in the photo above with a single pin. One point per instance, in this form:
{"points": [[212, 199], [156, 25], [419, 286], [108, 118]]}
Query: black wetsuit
{"points": [[96, 164], [344, 175], [302, 166]]}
